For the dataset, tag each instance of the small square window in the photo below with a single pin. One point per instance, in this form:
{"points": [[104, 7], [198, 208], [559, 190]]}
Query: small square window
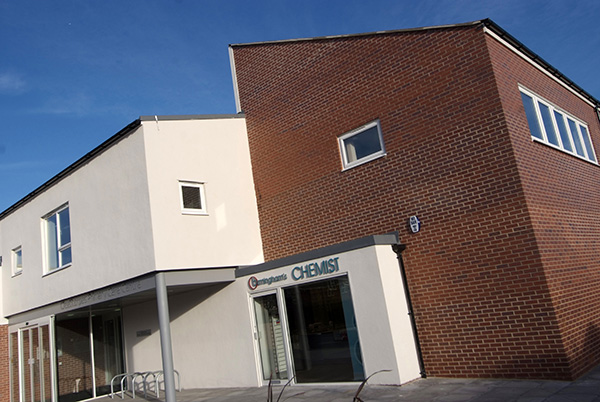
{"points": [[17, 261], [57, 231], [361, 145], [192, 198]]}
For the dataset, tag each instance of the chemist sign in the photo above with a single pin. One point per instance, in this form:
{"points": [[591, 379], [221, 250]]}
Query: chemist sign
{"points": [[312, 269]]}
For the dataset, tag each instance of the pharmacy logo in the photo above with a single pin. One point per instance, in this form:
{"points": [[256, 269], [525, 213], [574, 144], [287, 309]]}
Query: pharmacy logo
{"points": [[253, 283]]}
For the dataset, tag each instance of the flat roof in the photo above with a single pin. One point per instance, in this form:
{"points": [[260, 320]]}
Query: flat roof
{"points": [[113, 140]]}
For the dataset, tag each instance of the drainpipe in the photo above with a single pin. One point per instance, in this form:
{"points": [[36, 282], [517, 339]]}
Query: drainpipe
{"points": [[398, 249], [598, 112]]}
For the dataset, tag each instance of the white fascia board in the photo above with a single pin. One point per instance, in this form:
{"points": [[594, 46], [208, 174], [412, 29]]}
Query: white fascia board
{"points": [[238, 107]]}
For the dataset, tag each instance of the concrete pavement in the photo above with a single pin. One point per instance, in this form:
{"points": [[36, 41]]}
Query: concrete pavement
{"points": [[585, 389]]}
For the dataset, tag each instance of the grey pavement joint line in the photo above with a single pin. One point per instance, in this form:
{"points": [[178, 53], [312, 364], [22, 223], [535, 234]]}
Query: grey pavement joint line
{"points": [[585, 389]]}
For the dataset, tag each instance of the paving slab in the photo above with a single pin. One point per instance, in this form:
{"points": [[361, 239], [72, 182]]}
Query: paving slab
{"points": [[585, 389]]}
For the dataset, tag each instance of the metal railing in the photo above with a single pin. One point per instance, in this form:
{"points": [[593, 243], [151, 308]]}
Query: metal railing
{"points": [[127, 378]]}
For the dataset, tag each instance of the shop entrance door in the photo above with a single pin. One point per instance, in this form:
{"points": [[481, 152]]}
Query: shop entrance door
{"points": [[34, 364], [270, 337], [308, 332], [323, 334]]}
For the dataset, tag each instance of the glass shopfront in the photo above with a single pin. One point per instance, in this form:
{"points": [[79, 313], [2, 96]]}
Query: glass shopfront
{"points": [[69, 357], [30, 364], [88, 352], [320, 341]]}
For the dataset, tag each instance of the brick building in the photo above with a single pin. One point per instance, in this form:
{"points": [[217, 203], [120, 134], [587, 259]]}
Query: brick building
{"points": [[421, 201], [504, 274]]}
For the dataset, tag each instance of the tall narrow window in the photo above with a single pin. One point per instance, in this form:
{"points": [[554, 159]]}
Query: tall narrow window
{"points": [[552, 126], [192, 198], [361, 145], [532, 119], [58, 239], [17, 261]]}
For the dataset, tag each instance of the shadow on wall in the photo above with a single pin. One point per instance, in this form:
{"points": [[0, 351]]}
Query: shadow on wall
{"points": [[588, 352], [141, 328]]}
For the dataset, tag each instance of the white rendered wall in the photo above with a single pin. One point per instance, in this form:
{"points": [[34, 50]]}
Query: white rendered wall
{"points": [[384, 328], [126, 217], [211, 335], [214, 152], [397, 310], [111, 231]]}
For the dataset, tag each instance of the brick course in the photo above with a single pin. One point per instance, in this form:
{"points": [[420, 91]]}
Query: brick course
{"points": [[562, 194], [4, 364], [490, 288]]}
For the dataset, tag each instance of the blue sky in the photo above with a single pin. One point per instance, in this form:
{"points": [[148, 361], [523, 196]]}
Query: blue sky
{"points": [[74, 72]]}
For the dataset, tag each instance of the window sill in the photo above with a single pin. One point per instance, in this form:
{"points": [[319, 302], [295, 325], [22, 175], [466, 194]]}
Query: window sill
{"points": [[16, 274], [564, 151], [54, 270], [202, 213]]}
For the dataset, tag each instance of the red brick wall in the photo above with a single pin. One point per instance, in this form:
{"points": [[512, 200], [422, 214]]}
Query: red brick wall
{"points": [[4, 364], [482, 304], [563, 195]]}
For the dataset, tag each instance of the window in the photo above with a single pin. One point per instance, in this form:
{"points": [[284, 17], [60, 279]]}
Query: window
{"points": [[17, 261], [554, 127], [58, 239], [361, 145], [192, 198]]}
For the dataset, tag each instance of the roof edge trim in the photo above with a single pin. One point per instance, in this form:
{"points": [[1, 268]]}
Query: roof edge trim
{"points": [[392, 31], [124, 132], [236, 89], [192, 117]]}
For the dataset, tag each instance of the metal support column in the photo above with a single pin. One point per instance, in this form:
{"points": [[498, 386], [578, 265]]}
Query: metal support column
{"points": [[165, 336]]}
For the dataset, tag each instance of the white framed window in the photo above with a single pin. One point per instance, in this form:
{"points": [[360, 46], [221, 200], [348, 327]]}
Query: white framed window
{"points": [[555, 127], [17, 261], [361, 145], [193, 200], [57, 236]]}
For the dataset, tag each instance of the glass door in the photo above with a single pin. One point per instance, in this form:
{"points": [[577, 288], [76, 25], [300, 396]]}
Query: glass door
{"points": [[74, 358], [270, 338], [89, 352], [108, 356], [34, 364], [308, 332], [323, 333]]}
